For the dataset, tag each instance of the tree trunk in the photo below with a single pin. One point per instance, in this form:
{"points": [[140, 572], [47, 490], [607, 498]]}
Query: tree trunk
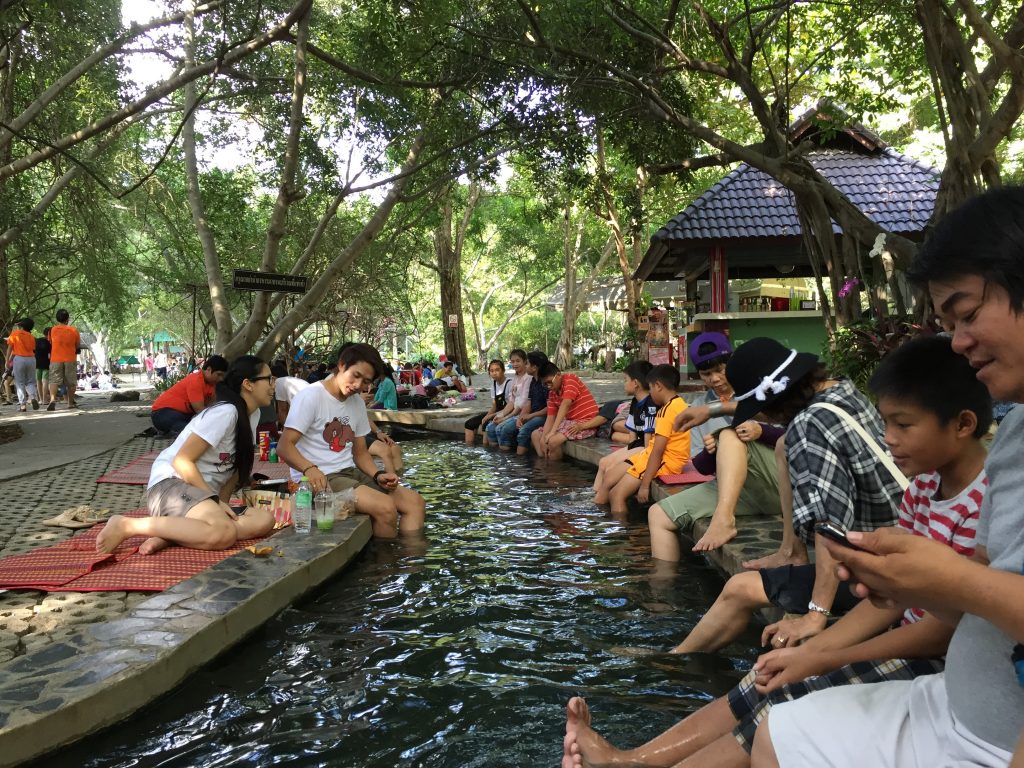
{"points": [[449, 269], [308, 303], [287, 194], [211, 260]]}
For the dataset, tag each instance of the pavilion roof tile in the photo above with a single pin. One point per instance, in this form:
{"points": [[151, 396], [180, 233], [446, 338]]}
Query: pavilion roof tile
{"points": [[893, 190]]}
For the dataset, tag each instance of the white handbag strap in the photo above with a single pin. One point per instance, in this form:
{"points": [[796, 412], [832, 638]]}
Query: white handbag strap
{"points": [[883, 457]]}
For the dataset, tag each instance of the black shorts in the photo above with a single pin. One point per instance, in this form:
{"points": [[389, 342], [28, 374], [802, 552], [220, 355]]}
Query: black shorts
{"points": [[790, 588], [474, 422]]}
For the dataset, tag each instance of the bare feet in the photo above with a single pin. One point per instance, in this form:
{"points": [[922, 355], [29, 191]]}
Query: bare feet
{"points": [[152, 545], [778, 559], [112, 534], [717, 534], [582, 747]]}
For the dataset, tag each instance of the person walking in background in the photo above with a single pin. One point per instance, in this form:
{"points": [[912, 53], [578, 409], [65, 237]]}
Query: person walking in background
{"points": [[147, 363], [160, 364], [64, 344], [43, 366], [21, 347]]}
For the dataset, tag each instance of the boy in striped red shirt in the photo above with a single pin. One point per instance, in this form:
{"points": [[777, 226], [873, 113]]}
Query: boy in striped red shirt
{"points": [[570, 405]]}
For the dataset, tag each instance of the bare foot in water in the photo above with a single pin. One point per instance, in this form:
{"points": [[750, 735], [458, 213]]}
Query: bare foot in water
{"points": [[717, 534], [777, 560], [112, 534], [152, 545], [582, 747]]}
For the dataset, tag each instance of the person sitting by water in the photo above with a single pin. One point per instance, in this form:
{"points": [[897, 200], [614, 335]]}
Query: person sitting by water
{"points": [[324, 440], [178, 404], [973, 712], [569, 404], [743, 460], [385, 394], [935, 412], [285, 389], [642, 414], [446, 378], [665, 454], [834, 475], [534, 412], [192, 480], [501, 394], [501, 431]]}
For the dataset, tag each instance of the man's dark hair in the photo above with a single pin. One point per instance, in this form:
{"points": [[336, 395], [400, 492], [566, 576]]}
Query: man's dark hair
{"points": [[361, 353], [27, 324], [521, 354], [638, 371], [278, 370], [537, 359], [63, 316], [215, 363], [985, 237], [707, 365], [666, 375], [928, 373], [548, 369]]}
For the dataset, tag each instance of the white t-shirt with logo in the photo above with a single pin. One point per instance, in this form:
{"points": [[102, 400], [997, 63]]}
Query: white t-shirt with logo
{"points": [[216, 427], [287, 387], [327, 426]]}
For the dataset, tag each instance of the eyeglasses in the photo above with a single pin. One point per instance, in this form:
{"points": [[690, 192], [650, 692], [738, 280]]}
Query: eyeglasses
{"points": [[271, 379]]}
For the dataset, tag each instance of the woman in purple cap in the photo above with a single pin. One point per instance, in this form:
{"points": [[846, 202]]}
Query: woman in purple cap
{"points": [[743, 459]]}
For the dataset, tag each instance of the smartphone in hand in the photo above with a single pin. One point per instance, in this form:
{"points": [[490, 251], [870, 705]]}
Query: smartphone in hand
{"points": [[836, 534]]}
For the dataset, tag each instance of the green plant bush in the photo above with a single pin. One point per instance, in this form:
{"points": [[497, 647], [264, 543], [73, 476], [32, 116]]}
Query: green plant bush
{"points": [[162, 385], [856, 350]]}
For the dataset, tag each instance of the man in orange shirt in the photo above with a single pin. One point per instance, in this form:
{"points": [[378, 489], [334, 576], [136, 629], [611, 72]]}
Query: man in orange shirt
{"points": [[64, 344], [174, 409]]}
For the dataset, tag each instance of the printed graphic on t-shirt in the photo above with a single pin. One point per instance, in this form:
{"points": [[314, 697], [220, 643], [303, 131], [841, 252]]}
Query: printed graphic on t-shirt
{"points": [[338, 434]]}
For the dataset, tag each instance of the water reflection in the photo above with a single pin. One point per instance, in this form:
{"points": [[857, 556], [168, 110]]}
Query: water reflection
{"points": [[459, 648]]}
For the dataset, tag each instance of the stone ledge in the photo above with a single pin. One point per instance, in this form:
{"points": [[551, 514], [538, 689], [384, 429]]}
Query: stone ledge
{"points": [[97, 674]]}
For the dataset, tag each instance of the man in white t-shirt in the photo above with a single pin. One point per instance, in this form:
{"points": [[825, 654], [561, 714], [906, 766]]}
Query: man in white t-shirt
{"points": [[285, 389], [324, 439]]}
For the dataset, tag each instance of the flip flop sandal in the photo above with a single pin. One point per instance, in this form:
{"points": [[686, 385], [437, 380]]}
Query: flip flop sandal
{"points": [[75, 517]]}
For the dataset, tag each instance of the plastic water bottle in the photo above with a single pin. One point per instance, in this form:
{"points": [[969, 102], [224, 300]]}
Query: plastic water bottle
{"points": [[302, 518]]}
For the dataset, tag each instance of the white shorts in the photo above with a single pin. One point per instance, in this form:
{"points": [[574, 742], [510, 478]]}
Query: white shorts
{"points": [[902, 724]]}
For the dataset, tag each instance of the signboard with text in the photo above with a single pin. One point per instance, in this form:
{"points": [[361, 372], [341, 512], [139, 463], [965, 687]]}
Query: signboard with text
{"points": [[250, 280], [453, 321]]}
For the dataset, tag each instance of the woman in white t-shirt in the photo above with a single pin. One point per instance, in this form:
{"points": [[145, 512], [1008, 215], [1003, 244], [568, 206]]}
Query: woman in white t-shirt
{"points": [[192, 479]]}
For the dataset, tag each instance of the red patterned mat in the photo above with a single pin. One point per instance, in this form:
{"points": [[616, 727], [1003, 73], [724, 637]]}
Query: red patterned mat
{"points": [[75, 566], [688, 476], [136, 472]]}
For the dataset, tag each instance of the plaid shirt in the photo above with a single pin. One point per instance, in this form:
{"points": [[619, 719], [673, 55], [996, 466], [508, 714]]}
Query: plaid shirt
{"points": [[835, 476]]}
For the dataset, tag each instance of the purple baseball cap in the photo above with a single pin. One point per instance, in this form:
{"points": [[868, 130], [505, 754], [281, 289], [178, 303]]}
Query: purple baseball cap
{"points": [[719, 347]]}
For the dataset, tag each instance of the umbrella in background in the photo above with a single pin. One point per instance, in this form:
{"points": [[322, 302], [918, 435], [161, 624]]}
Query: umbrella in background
{"points": [[127, 360]]}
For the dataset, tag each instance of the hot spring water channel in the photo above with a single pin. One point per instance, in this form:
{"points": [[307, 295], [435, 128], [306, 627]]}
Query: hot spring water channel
{"points": [[454, 651]]}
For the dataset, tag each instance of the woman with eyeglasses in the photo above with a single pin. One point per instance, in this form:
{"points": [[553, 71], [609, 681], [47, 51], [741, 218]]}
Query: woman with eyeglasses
{"points": [[193, 478]]}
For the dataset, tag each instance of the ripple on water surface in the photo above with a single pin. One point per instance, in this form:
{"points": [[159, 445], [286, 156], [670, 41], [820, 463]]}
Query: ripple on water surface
{"points": [[458, 650]]}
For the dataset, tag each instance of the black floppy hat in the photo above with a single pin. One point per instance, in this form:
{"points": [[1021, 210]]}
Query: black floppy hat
{"points": [[760, 371]]}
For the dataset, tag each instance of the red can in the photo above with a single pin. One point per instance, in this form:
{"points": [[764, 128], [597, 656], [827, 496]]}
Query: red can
{"points": [[264, 444]]}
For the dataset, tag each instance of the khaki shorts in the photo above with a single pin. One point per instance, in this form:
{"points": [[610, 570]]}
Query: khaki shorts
{"points": [[64, 373], [350, 477], [760, 494], [173, 497]]}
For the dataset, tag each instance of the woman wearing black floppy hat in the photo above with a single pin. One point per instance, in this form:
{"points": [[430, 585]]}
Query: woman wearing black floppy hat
{"points": [[834, 475]]}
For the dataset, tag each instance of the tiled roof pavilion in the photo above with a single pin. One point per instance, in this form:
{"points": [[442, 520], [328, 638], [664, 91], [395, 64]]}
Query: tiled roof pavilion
{"points": [[752, 217]]}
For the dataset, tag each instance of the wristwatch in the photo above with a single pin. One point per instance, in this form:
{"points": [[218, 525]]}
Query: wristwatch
{"points": [[813, 607]]}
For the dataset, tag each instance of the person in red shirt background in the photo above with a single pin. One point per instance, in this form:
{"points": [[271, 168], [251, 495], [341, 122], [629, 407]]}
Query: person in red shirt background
{"points": [[21, 358], [176, 407], [570, 404], [64, 344]]}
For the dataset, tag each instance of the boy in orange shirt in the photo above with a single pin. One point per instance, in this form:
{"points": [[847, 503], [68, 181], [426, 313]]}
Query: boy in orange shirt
{"points": [[664, 455], [64, 344]]}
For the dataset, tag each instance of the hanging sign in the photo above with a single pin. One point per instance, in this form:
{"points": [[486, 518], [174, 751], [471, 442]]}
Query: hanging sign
{"points": [[249, 280]]}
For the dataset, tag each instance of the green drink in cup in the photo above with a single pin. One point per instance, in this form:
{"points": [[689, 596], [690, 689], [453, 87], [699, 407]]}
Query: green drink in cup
{"points": [[326, 507]]}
